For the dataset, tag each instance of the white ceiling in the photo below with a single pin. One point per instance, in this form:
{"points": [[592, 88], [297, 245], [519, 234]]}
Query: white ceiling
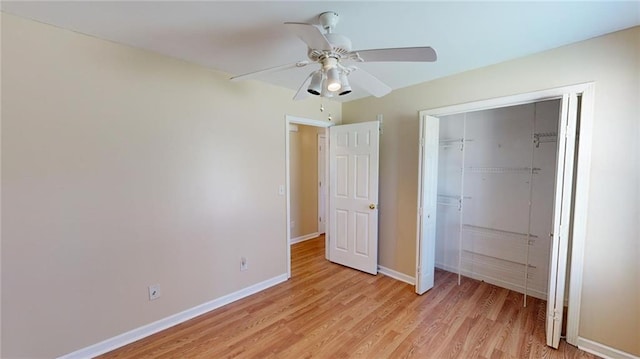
{"points": [[239, 37]]}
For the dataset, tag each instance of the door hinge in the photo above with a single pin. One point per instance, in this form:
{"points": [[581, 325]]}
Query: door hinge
{"points": [[422, 141]]}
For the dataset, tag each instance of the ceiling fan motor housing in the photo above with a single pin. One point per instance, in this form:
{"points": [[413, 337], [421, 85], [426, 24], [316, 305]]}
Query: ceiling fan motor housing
{"points": [[341, 44], [329, 20], [340, 48]]}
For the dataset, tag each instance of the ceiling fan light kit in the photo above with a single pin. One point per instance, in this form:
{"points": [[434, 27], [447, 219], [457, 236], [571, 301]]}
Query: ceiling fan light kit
{"points": [[315, 87], [333, 80], [333, 52], [346, 88]]}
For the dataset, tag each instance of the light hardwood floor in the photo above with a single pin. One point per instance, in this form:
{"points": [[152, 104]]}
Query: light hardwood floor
{"points": [[329, 311]]}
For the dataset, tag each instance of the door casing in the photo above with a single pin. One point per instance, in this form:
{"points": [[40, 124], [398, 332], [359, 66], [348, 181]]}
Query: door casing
{"points": [[322, 183]]}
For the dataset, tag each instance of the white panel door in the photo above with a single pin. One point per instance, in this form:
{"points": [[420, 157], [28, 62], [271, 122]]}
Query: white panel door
{"points": [[427, 206], [561, 220], [353, 195]]}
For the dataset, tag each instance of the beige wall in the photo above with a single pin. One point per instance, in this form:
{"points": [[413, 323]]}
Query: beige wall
{"points": [[122, 168], [303, 167], [610, 312]]}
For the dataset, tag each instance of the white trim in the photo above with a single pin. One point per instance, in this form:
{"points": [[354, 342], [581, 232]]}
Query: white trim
{"points": [[580, 208], [506, 101], [602, 350], [288, 119], [308, 121], [397, 275], [162, 324], [322, 140], [305, 237]]}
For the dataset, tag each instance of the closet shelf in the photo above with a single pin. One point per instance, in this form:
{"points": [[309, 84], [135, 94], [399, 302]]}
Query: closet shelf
{"points": [[452, 204], [544, 137], [504, 170], [493, 257], [497, 233], [545, 134], [453, 196], [449, 142]]}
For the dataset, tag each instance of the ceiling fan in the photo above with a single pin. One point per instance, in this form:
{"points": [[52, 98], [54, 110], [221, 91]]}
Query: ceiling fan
{"points": [[336, 59]]}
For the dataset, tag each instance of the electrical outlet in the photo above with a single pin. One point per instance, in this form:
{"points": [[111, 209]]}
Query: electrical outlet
{"points": [[243, 264], [154, 292]]}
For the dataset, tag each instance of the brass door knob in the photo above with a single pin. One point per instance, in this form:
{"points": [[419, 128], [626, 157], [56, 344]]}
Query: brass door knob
{"points": [[372, 206]]}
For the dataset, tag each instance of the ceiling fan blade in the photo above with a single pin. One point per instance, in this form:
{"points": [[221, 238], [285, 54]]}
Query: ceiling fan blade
{"points": [[368, 82], [251, 75], [310, 34], [404, 54], [302, 91]]}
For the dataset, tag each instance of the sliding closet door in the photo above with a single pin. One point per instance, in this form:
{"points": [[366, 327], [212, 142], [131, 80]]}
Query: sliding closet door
{"points": [[562, 214]]}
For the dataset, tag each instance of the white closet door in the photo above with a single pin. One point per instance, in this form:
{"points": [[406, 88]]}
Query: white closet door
{"points": [[561, 221], [427, 208]]}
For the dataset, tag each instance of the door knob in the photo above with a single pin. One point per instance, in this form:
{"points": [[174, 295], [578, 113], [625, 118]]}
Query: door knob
{"points": [[372, 206]]}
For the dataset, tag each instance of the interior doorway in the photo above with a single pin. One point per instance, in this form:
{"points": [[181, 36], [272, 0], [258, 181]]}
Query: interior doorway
{"points": [[316, 129], [306, 179], [352, 165], [569, 204]]}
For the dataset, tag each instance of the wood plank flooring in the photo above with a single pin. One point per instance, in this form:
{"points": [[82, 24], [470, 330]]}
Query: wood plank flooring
{"points": [[329, 311]]}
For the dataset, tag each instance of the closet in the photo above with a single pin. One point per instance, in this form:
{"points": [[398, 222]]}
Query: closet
{"points": [[495, 200]]}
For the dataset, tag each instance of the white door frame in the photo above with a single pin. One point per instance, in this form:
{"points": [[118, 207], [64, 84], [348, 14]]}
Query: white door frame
{"points": [[309, 122], [583, 160], [323, 182]]}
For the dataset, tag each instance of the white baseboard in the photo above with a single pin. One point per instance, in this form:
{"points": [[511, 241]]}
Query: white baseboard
{"points": [[306, 237], [602, 350], [397, 275], [162, 324]]}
